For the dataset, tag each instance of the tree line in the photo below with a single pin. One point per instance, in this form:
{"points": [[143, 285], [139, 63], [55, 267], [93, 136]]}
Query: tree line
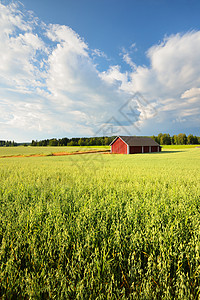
{"points": [[8, 144], [92, 141], [180, 139], [161, 138]]}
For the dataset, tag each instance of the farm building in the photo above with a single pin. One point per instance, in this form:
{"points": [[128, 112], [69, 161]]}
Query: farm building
{"points": [[134, 144]]}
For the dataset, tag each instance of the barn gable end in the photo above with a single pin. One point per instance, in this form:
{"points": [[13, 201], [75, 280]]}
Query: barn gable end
{"points": [[119, 146]]}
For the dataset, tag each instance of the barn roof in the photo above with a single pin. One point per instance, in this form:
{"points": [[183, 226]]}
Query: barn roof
{"points": [[136, 141]]}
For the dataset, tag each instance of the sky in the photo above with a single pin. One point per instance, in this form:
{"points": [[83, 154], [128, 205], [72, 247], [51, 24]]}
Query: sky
{"points": [[80, 68]]}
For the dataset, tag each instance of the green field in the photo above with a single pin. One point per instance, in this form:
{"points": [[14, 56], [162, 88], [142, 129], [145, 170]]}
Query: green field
{"points": [[47, 151], [100, 226], [180, 146], [26, 151]]}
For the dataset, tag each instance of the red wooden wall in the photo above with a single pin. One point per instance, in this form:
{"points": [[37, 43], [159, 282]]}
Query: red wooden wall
{"points": [[119, 147]]}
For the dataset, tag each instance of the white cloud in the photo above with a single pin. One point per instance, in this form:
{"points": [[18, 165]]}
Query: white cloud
{"points": [[129, 62], [193, 92], [97, 52], [64, 34], [171, 83], [114, 76], [18, 49], [76, 84], [127, 59], [176, 61]]}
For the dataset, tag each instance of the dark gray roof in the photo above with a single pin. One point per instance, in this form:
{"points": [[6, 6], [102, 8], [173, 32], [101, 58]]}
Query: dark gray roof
{"points": [[137, 141]]}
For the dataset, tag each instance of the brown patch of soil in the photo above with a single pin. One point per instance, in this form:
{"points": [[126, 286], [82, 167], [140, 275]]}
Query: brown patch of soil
{"points": [[79, 152]]}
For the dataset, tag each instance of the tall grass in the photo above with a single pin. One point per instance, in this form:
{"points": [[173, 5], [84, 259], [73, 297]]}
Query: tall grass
{"points": [[101, 226]]}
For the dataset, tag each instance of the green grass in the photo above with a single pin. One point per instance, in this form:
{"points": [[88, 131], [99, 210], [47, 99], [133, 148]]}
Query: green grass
{"points": [[21, 150], [101, 226], [179, 146]]}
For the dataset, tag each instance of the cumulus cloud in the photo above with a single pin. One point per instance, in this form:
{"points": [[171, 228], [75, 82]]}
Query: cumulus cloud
{"points": [[50, 84], [19, 48], [53, 88], [114, 76], [177, 56], [75, 84], [170, 84]]}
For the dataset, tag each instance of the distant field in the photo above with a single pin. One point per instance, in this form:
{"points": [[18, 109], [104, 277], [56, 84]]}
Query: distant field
{"points": [[26, 151], [21, 150], [100, 226], [179, 146]]}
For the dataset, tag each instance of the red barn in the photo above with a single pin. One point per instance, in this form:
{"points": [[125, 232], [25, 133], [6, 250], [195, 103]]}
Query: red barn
{"points": [[134, 144]]}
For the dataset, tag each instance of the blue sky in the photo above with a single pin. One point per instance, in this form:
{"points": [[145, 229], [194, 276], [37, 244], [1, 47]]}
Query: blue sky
{"points": [[87, 68]]}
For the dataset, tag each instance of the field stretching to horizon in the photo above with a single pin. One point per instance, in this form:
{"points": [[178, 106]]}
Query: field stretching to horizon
{"points": [[100, 226], [46, 151]]}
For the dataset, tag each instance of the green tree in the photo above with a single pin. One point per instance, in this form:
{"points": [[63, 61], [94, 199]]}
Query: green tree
{"points": [[81, 142], [172, 140], [53, 142], [182, 139], [190, 139], [106, 141], [165, 139], [196, 140], [33, 143], [175, 139], [71, 143], [159, 138]]}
